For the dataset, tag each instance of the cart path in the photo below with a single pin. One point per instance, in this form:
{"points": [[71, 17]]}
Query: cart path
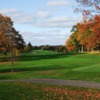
{"points": [[59, 82]]}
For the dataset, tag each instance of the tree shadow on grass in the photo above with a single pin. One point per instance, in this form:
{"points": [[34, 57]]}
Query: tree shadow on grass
{"points": [[43, 57], [46, 68], [33, 57], [4, 59], [4, 77], [38, 57]]}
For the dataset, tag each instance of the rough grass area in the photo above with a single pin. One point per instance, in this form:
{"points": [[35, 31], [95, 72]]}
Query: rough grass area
{"points": [[49, 64], [30, 91]]}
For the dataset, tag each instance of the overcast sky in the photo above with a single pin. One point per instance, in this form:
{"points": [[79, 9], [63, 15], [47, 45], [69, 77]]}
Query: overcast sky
{"points": [[42, 22]]}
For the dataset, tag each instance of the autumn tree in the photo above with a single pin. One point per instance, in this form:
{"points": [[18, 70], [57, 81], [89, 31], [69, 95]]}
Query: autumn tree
{"points": [[8, 35], [10, 39], [5, 27], [96, 29], [69, 45], [86, 36], [73, 43], [89, 33]]}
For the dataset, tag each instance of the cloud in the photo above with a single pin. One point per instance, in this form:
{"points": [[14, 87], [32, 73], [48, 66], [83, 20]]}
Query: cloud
{"points": [[42, 19], [18, 17], [57, 22], [51, 37], [57, 3], [43, 14], [58, 19], [5, 11]]}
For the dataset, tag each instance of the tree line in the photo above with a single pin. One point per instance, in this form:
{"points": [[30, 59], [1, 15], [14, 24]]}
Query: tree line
{"points": [[58, 48]]}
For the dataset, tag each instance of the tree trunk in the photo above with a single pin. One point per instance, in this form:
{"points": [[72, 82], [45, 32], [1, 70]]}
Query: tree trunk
{"points": [[82, 49], [12, 62]]}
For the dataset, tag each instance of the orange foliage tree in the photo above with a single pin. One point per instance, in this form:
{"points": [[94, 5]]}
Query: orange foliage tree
{"points": [[10, 39], [88, 35], [5, 27], [8, 35]]}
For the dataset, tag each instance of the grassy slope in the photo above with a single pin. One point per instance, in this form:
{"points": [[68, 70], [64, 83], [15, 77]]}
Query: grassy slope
{"points": [[47, 64], [29, 91]]}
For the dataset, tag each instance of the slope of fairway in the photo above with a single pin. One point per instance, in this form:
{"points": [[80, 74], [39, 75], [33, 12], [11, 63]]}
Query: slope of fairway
{"points": [[50, 64], [91, 68]]}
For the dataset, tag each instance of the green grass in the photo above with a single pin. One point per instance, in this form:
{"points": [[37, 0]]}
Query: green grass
{"points": [[30, 91], [91, 68], [49, 64]]}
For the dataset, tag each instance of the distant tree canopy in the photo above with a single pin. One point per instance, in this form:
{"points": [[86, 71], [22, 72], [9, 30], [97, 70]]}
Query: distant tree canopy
{"points": [[57, 48], [85, 34], [9, 37], [28, 47]]}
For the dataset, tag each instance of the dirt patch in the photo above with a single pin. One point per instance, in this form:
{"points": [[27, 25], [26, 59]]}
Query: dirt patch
{"points": [[3, 63], [7, 62]]}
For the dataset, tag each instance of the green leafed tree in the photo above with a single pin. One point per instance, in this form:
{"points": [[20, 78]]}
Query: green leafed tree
{"points": [[28, 47]]}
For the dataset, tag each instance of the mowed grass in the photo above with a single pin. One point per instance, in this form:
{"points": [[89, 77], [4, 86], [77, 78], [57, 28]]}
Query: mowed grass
{"points": [[30, 91], [49, 64]]}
